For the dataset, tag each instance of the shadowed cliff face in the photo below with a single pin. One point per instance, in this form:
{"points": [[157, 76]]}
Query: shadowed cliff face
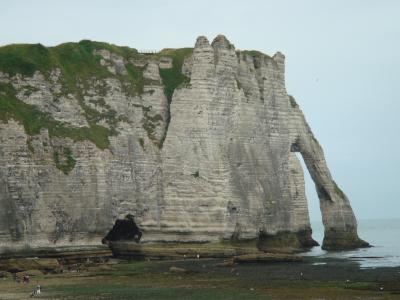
{"points": [[197, 143]]}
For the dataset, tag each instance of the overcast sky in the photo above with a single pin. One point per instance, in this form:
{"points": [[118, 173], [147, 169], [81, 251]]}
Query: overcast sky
{"points": [[342, 66]]}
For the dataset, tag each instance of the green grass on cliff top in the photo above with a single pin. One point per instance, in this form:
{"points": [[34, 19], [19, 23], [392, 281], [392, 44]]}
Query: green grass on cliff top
{"points": [[77, 62], [78, 65], [74, 59], [173, 78]]}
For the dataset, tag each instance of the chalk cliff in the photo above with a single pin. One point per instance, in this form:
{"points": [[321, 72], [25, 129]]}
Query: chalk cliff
{"points": [[197, 145]]}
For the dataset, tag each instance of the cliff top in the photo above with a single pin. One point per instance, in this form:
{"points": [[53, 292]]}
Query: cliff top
{"points": [[76, 66], [81, 58]]}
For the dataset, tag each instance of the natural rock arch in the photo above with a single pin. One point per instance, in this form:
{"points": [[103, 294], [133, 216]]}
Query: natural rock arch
{"points": [[337, 215]]}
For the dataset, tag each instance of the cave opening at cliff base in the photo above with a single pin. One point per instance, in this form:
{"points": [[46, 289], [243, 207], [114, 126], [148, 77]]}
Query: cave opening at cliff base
{"points": [[124, 230]]}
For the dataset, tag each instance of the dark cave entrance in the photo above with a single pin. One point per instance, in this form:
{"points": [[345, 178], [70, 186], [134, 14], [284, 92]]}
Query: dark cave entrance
{"points": [[124, 229]]}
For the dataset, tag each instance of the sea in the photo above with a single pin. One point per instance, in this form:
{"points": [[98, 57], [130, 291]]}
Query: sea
{"points": [[383, 235]]}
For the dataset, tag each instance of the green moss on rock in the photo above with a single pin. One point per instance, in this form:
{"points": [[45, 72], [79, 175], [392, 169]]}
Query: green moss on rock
{"points": [[34, 120], [136, 76], [149, 124], [286, 240], [254, 53], [124, 51], [64, 159], [335, 239], [173, 77]]}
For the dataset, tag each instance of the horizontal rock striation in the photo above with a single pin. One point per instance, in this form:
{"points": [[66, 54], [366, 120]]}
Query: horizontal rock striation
{"points": [[197, 145]]}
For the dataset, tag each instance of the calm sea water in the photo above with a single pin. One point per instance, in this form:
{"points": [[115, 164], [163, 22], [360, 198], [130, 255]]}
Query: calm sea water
{"points": [[384, 235]]}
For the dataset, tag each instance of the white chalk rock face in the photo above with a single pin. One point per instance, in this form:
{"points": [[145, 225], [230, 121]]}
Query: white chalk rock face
{"points": [[215, 160]]}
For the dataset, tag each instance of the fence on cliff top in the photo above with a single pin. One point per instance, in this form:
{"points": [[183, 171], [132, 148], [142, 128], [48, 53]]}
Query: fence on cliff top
{"points": [[148, 51]]}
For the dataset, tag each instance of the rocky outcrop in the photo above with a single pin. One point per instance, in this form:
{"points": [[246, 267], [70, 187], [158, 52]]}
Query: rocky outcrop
{"points": [[199, 145]]}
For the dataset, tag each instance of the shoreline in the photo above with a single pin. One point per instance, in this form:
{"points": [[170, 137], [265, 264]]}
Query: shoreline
{"points": [[209, 278]]}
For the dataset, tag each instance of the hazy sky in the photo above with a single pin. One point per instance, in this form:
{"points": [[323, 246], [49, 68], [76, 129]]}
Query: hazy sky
{"points": [[342, 66]]}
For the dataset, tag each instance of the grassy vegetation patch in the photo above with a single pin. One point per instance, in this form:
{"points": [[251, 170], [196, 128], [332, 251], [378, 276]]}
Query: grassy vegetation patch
{"points": [[25, 59], [64, 159], [34, 120], [254, 53], [75, 60], [136, 76], [173, 77], [133, 82], [125, 52], [115, 291], [150, 124], [79, 66], [210, 279]]}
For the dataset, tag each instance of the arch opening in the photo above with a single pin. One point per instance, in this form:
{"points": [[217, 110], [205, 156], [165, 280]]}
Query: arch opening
{"points": [[312, 198]]}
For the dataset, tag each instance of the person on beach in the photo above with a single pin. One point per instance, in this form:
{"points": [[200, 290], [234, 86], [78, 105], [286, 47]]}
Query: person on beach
{"points": [[36, 291], [26, 279]]}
